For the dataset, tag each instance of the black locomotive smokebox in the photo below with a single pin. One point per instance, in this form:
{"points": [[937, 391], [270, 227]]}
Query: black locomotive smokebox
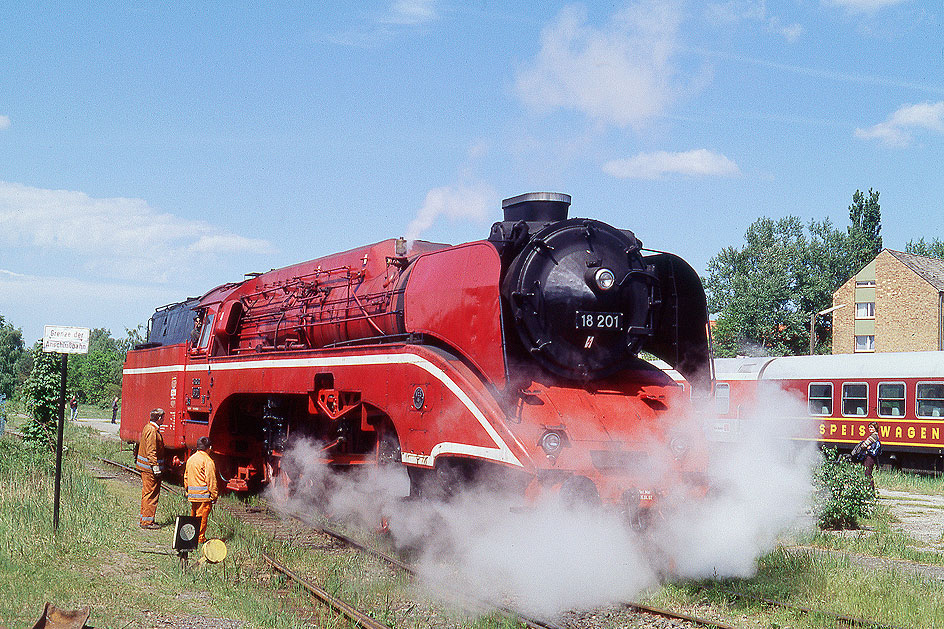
{"points": [[544, 207]]}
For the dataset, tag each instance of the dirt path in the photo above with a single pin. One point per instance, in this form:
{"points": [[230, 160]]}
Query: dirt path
{"points": [[919, 516]]}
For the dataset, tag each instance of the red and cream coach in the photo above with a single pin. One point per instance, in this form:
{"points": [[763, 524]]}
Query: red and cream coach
{"points": [[842, 393]]}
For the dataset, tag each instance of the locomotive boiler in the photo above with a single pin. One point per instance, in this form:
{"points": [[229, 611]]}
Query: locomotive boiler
{"points": [[515, 357]]}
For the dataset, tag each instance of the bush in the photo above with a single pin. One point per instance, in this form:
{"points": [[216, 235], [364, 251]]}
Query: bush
{"points": [[844, 494], [41, 396]]}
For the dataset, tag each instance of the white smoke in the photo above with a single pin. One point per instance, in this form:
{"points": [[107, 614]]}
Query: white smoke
{"points": [[455, 202], [761, 486], [544, 559]]}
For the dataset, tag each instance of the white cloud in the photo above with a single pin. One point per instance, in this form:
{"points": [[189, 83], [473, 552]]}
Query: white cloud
{"points": [[32, 301], [700, 162], [112, 237], [619, 74], [4, 122], [863, 6], [382, 27], [728, 14], [410, 12], [471, 202], [896, 131]]}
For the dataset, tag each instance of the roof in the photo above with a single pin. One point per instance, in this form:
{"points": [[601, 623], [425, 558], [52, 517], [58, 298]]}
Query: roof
{"points": [[890, 365], [931, 269]]}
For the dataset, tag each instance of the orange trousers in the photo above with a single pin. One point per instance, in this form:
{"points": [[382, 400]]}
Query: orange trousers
{"points": [[201, 510], [150, 492]]}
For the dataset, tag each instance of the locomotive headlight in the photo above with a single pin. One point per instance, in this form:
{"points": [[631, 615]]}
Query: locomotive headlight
{"points": [[605, 279], [551, 443], [679, 446]]}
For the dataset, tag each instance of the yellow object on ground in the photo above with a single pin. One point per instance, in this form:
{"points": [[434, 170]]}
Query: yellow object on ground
{"points": [[214, 550]]}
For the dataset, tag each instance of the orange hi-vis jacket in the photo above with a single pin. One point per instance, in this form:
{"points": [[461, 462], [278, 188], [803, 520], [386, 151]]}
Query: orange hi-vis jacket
{"points": [[200, 478], [151, 449]]}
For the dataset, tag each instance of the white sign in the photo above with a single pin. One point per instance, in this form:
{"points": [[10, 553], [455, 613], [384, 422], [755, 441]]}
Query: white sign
{"points": [[66, 340]]}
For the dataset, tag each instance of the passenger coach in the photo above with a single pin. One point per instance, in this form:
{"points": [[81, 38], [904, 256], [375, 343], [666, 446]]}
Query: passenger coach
{"points": [[842, 393]]}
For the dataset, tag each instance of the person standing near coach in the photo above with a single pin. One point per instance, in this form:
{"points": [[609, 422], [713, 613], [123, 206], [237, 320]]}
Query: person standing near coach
{"points": [[151, 463], [868, 451], [200, 481]]}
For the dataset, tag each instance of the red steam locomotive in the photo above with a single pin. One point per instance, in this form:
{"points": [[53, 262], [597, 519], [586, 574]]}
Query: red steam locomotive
{"points": [[516, 356], [841, 393]]}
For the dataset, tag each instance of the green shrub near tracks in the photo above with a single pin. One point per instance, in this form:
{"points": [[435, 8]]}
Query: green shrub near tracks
{"points": [[844, 495]]}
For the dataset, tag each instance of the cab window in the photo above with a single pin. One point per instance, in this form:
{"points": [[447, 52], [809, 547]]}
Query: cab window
{"points": [[207, 327]]}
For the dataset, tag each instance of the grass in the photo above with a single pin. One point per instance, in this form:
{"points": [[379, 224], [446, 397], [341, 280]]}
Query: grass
{"points": [[900, 481], [821, 582], [99, 557]]}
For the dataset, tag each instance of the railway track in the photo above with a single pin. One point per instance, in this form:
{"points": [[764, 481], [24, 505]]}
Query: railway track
{"points": [[302, 531]]}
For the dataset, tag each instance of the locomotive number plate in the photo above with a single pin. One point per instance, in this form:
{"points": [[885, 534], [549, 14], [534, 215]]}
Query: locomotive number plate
{"points": [[599, 320]]}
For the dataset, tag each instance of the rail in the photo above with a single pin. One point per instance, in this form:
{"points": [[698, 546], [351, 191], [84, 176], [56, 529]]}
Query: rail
{"points": [[333, 602]]}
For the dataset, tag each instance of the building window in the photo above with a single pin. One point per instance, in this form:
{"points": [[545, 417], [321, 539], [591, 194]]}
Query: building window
{"points": [[865, 283], [865, 310], [865, 343], [929, 400], [821, 398], [891, 399], [855, 399], [722, 398]]}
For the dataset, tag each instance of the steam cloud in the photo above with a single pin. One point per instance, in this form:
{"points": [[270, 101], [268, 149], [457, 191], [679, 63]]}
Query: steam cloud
{"points": [[462, 202], [545, 559]]}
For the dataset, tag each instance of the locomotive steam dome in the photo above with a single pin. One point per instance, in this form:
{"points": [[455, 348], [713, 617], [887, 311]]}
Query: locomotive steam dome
{"points": [[580, 292]]}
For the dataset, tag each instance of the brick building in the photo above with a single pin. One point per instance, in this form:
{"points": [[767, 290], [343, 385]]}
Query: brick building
{"points": [[894, 304]]}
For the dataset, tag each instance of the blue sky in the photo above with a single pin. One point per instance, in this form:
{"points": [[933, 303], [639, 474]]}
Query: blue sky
{"points": [[151, 152]]}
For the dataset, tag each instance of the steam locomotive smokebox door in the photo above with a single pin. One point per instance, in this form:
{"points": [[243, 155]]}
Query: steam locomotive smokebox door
{"points": [[186, 530], [582, 297]]}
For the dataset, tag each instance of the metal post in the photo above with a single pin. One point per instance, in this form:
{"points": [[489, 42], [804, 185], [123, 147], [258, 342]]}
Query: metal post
{"points": [[812, 334], [62, 419]]}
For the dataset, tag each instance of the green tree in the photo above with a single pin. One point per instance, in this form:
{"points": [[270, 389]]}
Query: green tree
{"points": [[764, 292], [865, 228], [41, 395], [12, 351], [933, 249], [96, 376]]}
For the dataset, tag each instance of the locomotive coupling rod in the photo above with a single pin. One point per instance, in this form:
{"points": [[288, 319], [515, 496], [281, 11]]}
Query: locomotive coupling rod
{"points": [[336, 604]]}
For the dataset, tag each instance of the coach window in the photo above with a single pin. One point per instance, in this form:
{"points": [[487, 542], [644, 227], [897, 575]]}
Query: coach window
{"points": [[722, 398], [821, 398], [855, 398], [930, 399], [891, 399]]}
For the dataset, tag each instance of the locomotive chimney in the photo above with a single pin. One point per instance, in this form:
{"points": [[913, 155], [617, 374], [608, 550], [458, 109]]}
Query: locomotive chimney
{"points": [[543, 207]]}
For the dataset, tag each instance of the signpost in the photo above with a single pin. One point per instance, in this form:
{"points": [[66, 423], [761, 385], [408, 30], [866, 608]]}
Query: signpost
{"points": [[63, 340]]}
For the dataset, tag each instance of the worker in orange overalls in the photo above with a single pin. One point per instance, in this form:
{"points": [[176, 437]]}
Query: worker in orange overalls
{"points": [[200, 481], [151, 463]]}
